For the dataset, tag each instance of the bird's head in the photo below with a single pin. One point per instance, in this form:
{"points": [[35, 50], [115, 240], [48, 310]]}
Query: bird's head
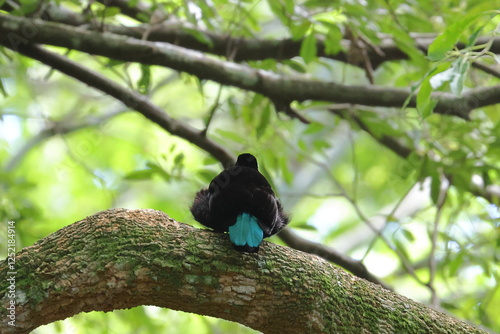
{"points": [[247, 160]]}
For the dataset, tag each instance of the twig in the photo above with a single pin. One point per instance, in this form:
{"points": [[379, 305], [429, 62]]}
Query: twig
{"points": [[55, 128], [390, 142], [443, 191], [212, 111], [487, 69]]}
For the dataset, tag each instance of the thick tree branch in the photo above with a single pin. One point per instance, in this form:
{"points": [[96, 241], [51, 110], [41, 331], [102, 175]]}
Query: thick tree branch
{"points": [[17, 31], [122, 258]]}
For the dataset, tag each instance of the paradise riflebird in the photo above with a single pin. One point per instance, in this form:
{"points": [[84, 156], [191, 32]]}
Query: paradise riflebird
{"points": [[240, 201]]}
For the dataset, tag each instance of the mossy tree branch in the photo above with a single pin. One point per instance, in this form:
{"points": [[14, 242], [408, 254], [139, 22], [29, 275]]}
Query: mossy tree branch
{"points": [[122, 258]]}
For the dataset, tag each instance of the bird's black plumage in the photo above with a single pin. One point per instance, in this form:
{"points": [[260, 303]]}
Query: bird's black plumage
{"points": [[236, 191]]}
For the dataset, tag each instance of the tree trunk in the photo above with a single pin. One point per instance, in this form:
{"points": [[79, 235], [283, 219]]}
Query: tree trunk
{"points": [[122, 258]]}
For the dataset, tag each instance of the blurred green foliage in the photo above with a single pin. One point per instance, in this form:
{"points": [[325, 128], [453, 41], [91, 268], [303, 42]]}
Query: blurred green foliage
{"points": [[67, 151]]}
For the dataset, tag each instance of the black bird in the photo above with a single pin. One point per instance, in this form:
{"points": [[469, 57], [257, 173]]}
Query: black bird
{"points": [[240, 201]]}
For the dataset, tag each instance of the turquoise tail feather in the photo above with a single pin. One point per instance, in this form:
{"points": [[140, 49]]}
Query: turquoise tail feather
{"points": [[246, 231]]}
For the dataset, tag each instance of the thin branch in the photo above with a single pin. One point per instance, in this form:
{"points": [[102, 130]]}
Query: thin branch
{"points": [[390, 142], [281, 88], [356, 267], [487, 69], [55, 128], [212, 110], [440, 201]]}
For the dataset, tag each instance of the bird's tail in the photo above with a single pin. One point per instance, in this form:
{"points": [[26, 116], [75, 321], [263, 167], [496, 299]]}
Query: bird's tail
{"points": [[246, 234]]}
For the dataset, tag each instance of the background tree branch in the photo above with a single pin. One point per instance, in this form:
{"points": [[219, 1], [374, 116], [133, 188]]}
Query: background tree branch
{"points": [[124, 258], [17, 31], [239, 48]]}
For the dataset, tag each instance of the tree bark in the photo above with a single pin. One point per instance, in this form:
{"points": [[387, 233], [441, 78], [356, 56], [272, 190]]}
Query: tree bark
{"points": [[120, 258]]}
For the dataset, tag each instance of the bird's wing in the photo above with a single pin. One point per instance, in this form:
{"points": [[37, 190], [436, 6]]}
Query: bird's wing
{"points": [[264, 206], [200, 208]]}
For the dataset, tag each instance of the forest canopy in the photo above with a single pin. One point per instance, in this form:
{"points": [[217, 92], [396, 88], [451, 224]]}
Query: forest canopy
{"points": [[377, 124]]}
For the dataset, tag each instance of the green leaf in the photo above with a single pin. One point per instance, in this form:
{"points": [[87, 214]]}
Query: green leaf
{"points": [[455, 263], [287, 174], [157, 169], [143, 17], [179, 158], [314, 127], [406, 43], [110, 11], [333, 41], [289, 6], [207, 175], [143, 174], [424, 103], [295, 65], [308, 49], [331, 17], [114, 62], [321, 144], [236, 137], [447, 40], [435, 188], [2, 89], [144, 81], [299, 30], [279, 10], [473, 37], [303, 225], [200, 36], [455, 75], [460, 70], [264, 121], [27, 7], [408, 235]]}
